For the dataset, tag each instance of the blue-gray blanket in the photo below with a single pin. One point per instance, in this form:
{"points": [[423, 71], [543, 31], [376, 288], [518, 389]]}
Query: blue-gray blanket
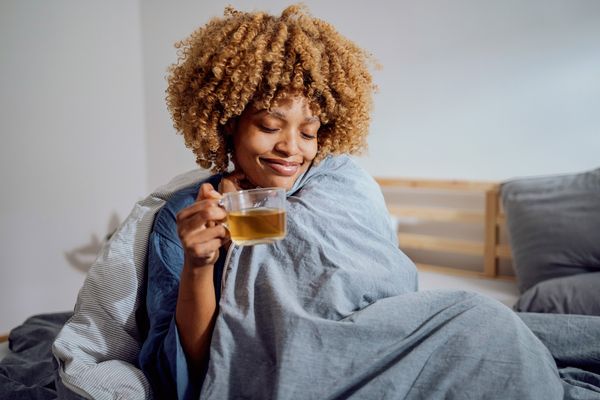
{"points": [[332, 312]]}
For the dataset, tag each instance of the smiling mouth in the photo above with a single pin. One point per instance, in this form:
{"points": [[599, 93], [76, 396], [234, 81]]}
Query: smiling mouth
{"points": [[282, 167]]}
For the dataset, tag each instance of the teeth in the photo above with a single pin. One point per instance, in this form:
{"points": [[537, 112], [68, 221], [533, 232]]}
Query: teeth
{"points": [[284, 163]]}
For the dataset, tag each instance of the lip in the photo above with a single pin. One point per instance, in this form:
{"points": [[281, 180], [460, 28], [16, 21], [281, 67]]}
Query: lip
{"points": [[282, 167]]}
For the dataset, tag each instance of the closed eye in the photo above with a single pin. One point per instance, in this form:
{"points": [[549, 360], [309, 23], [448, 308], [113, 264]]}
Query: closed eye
{"points": [[308, 136], [267, 129]]}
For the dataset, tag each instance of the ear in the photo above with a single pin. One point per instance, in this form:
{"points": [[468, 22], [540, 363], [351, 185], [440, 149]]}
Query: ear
{"points": [[228, 131]]}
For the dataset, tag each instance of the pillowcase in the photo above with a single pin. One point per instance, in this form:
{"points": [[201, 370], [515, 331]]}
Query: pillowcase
{"points": [[553, 225], [97, 349], [577, 294]]}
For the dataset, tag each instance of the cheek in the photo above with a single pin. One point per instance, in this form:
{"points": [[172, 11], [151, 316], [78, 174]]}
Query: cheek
{"points": [[310, 150], [251, 143], [243, 146]]}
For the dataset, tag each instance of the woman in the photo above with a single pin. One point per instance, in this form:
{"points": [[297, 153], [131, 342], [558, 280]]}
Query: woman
{"points": [[272, 95], [332, 310]]}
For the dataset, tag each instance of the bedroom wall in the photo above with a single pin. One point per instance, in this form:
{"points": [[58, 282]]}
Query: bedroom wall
{"points": [[469, 89], [72, 156]]}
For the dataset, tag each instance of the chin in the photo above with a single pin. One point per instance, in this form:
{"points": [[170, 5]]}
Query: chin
{"points": [[285, 182], [279, 182]]}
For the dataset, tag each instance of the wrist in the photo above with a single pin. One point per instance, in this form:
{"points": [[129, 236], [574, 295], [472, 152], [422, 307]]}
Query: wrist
{"points": [[195, 270], [200, 262]]}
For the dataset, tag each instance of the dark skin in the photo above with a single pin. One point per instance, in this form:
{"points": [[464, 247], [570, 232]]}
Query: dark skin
{"points": [[202, 234]]}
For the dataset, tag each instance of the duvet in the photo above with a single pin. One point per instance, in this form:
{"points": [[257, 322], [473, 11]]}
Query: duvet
{"points": [[330, 312]]}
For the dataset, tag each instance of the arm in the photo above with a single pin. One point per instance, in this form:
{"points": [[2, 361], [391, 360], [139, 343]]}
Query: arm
{"points": [[195, 313], [201, 236], [166, 357]]}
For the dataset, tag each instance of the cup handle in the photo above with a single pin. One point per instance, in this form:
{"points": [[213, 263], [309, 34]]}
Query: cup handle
{"points": [[221, 203]]}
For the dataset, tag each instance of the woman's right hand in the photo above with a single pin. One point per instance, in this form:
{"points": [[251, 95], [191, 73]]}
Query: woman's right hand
{"points": [[200, 228]]}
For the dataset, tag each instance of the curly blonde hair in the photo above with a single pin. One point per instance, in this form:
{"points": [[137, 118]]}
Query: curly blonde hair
{"points": [[259, 59]]}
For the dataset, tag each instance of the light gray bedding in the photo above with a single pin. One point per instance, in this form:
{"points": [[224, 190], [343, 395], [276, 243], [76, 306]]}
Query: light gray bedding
{"points": [[332, 311], [97, 349], [553, 225]]}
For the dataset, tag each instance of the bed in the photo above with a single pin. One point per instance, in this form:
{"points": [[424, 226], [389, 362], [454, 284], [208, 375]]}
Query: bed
{"points": [[29, 369], [539, 235], [454, 203]]}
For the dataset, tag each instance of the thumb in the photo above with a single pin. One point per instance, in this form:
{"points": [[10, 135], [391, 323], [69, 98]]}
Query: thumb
{"points": [[232, 182], [207, 192]]}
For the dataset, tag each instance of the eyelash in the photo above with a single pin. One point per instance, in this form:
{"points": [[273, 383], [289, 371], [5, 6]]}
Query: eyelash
{"points": [[273, 130], [268, 130]]}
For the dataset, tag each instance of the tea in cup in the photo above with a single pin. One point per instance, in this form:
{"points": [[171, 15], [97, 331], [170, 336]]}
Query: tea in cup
{"points": [[255, 216]]}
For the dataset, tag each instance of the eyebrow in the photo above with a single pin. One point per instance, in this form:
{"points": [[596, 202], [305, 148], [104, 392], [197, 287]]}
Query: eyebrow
{"points": [[281, 116]]}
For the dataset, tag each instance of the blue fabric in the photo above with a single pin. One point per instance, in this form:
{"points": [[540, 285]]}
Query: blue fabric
{"points": [[332, 312], [162, 358], [574, 342]]}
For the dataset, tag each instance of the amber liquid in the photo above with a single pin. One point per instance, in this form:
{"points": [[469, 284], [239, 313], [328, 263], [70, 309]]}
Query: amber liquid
{"points": [[256, 226]]}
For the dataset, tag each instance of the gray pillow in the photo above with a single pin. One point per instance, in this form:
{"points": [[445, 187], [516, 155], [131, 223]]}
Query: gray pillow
{"points": [[553, 225], [577, 294]]}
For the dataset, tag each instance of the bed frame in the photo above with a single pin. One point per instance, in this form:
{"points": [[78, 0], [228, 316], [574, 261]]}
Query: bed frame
{"points": [[490, 217]]}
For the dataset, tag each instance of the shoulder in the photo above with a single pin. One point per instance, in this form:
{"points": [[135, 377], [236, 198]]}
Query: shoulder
{"points": [[342, 172], [341, 167], [164, 222]]}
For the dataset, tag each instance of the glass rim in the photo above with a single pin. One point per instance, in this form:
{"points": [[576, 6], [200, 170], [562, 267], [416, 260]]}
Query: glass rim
{"points": [[266, 190]]}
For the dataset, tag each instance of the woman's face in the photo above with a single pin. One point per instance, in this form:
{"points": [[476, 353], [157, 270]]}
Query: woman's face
{"points": [[273, 148]]}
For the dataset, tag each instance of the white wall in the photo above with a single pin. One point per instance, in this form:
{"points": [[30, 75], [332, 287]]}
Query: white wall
{"points": [[72, 154], [487, 90], [470, 89]]}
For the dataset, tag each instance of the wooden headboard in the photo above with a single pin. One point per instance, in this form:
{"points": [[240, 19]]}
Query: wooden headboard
{"points": [[490, 217]]}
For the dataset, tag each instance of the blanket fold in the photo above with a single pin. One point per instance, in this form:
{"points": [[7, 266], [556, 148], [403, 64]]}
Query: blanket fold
{"points": [[97, 349], [330, 312]]}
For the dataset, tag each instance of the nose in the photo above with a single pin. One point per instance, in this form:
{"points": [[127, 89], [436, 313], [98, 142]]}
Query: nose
{"points": [[288, 143]]}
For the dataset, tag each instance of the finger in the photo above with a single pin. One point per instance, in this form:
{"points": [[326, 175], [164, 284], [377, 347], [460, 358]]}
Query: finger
{"points": [[227, 239], [203, 255], [197, 223], [207, 191], [200, 252], [228, 184], [206, 234], [198, 207], [192, 236], [205, 249]]}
